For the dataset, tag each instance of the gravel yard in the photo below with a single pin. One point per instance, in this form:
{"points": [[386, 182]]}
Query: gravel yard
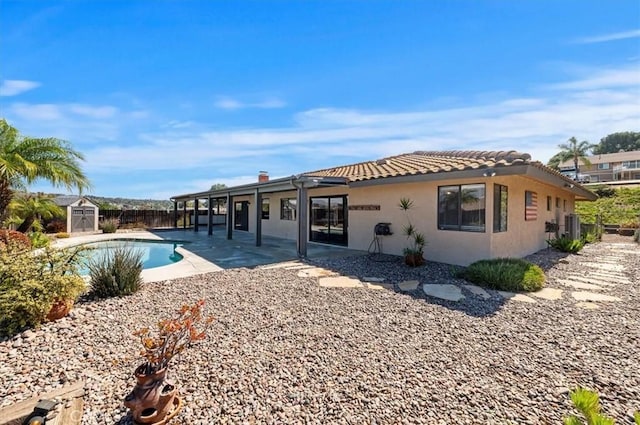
{"points": [[284, 350]]}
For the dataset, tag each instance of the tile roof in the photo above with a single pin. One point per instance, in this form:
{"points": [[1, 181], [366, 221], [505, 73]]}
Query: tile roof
{"points": [[426, 162]]}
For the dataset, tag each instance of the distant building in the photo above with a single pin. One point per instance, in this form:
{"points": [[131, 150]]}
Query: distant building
{"points": [[605, 167]]}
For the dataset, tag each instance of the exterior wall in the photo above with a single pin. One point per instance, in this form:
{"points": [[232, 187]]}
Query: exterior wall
{"points": [[446, 246], [287, 229], [525, 237]]}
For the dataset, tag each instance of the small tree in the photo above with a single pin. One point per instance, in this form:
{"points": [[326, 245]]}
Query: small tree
{"points": [[577, 151]]}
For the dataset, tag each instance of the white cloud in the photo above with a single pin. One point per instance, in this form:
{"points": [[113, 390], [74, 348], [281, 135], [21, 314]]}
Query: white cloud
{"points": [[15, 87], [609, 37], [607, 78], [229, 103], [44, 112], [93, 111]]}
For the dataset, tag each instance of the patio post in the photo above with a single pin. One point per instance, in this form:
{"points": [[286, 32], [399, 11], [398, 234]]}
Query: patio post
{"points": [[195, 215], [175, 214], [302, 201], [229, 216], [209, 217], [258, 202], [184, 214]]}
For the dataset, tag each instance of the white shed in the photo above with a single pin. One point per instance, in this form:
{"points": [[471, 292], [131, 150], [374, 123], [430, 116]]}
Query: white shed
{"points": [[82, 214]]}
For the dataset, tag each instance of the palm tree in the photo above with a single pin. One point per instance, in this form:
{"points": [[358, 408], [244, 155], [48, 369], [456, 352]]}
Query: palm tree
{"points": [[24, 160], [575, 150], [29, 208]]}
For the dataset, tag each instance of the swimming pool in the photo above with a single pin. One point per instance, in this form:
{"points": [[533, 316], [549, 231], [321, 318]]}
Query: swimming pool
{"points": [[154, 253]]}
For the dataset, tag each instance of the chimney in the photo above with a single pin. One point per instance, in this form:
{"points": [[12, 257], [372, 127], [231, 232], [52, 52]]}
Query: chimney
{"points": [[263, 177]]}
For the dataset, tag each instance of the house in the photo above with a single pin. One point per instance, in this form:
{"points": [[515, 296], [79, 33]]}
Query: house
{"points": [[82, 214], [470, 205], [605, 167]]}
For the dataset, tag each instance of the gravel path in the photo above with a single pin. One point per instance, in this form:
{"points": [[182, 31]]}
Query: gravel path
{"points": [[284, 350]]}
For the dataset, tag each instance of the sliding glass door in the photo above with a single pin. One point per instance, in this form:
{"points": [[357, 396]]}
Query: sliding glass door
{"points": [[328, 221]]}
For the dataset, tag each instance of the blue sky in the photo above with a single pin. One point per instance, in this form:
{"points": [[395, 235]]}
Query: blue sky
{"points": [[169, 97]]}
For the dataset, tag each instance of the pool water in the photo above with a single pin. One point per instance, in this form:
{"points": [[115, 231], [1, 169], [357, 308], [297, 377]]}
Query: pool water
{"points": [[154, 253]]}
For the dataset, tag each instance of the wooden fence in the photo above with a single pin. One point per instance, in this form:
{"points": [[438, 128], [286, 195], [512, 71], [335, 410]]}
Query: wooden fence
{"points": [[141, 218]]}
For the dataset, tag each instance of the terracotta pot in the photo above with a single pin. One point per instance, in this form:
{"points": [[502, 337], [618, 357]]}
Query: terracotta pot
{"points": [[154, 399], [59, 309], [413, 260]]}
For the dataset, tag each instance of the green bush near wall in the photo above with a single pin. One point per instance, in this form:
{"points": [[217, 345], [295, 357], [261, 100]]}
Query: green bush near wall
{"points": [[505, 274]]}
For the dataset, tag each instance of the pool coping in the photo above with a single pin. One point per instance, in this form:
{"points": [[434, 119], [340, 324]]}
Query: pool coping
{"points": [[190, 265]]}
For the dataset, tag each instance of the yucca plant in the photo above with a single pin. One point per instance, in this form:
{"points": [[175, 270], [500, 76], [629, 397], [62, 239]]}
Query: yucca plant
{"points": [[116, 273], [566, 244], [587, 402], [415, 251]]}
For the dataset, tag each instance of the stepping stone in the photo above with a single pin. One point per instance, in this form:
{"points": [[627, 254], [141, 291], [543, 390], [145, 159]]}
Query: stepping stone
{"points": [[315, 272], [607, 267], [587, 305], [281, 265], [298, 267], [408, 285], [443, 291], [373, 279], [340, 282], [590, 296], [516, 297], [592, 281], [579, 285], [551, 294], [378, 286], [476, 290]]}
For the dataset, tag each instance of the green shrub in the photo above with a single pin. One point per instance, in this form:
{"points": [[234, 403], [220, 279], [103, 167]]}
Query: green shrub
{"points": [[39, 239], [30, 283], [566, 244], [109, 226], [505, 274], [589, 237], [116, 273], [62, 235]]}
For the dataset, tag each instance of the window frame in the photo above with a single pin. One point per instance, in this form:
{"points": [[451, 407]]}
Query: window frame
{"points": [[287, 212], [460, 226], [500, 217]]}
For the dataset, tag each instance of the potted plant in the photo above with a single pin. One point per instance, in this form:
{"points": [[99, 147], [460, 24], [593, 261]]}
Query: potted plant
{"points": [[154, 399], [628, 228], [414, 253]]}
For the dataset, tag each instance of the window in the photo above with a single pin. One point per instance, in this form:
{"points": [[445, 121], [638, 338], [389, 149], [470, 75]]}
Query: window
{"points": [[265, 209], [462, 207], [564, 205], [557, 202], [288, 209], [549, 203], [531, 205], [603, 166], [500, 201]]}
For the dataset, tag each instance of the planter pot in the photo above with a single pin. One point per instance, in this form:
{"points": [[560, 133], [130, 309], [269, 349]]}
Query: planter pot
{"points": [[413, 260], [154, 400], [59, 309]]}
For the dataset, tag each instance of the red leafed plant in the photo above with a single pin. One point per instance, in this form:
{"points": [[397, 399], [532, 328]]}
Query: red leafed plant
{"points": [[173, 336]]}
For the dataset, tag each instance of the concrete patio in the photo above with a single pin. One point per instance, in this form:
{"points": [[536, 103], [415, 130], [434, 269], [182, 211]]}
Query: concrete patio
{"points": [[207, 253]]}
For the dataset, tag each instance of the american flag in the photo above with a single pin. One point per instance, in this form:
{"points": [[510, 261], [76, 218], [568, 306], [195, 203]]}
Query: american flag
{"points": [[531, 205]]}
